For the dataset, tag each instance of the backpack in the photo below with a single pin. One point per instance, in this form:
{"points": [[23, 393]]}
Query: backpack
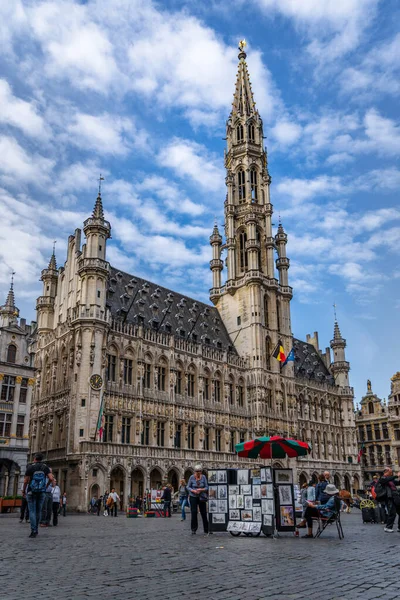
{"points": [[38, 482], [380, 491]]}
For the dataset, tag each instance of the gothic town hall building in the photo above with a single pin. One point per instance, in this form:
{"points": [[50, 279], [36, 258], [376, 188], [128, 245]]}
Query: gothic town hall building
{"points": [[181, 381]]}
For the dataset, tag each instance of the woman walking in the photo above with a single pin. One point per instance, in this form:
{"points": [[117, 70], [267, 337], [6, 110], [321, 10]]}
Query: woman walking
{"points": [[198, 492], [183, 498]]}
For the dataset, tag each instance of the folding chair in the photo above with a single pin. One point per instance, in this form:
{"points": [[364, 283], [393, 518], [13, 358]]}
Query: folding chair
{"points": [[323, 522]]}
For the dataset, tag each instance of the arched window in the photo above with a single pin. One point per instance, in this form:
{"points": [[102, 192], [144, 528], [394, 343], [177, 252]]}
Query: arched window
{"points": [[239, 133], [370, 407], [266, 312], [268, 352], [241, 186], [243, 251], [11, 353], [258, 238], [251, 130], [253, 185]]}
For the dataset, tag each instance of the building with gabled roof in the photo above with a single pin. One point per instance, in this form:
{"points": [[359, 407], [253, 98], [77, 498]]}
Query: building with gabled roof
{"points": [[16, 385], [140, 382]]}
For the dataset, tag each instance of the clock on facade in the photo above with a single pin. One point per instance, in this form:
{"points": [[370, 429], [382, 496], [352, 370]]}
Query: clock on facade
{"points": [[96, 382]]}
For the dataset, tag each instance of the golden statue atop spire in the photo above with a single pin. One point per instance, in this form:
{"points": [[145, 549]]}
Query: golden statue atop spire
{"points": [[242, 45]]}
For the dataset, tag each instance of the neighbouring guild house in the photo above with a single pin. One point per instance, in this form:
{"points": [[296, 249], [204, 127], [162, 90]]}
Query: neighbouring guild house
{"points": [[176, 381], [16, 384], [372, 421]]}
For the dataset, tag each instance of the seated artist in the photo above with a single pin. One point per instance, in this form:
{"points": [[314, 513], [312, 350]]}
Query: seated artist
{"points": [[322, 510]]}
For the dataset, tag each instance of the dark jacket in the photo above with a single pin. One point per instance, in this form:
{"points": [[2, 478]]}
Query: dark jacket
{"points": [[166, 495], [320, 495], [390, 483]]}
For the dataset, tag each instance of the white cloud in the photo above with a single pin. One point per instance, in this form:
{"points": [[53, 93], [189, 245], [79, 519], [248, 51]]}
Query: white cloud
{"points": [[334, 26], [377, 72], [286, 132], [299, 190], [73, 45], [171, 195], [19, 113], [189, 159], [106, 134], [17, 163]]}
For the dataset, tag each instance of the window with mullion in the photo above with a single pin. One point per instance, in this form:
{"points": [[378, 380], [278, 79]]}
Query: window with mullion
{"points": [[217, 390], [108, 428], [147, 376], [111, 367], [162, 371], [178, 384], [160, 433], [126, 430], [23, 392], [128, 368], [191, 385], [20, 426], [191, 432], [8, 388]]}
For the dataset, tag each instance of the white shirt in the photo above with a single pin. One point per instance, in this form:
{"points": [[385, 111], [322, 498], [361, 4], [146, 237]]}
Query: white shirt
{"points": [[114, 496], [56, 494]]}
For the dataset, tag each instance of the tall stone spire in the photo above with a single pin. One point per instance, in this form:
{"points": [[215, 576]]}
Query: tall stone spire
{"points": [[253, 304], [243, 100]]}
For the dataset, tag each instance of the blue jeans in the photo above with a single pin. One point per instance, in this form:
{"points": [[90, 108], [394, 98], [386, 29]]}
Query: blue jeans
{"points": [[35, 504], [183, 502]]}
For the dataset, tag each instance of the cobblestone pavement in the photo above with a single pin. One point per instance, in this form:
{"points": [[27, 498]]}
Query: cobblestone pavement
{"points": [[121, 559]]}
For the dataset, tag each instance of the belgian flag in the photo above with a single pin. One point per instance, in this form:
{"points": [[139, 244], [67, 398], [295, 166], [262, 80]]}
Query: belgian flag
{"points": [[279, 352]]}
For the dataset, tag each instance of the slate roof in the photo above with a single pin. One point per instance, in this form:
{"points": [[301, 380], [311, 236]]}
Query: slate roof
{"points": [[309, 364], [135, 300]]}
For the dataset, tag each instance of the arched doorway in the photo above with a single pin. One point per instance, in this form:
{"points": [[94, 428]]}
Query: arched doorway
{"points": [[337, 482], [173, 479], [347, 483], [137, 483], [356, 484], [117, 480], [155, 479], [302, 479], [10, 473], [94, 491], [188, 473]]}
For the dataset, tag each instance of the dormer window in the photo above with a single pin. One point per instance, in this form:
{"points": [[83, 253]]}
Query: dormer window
{"points": [[241, 186], [239, 133]]}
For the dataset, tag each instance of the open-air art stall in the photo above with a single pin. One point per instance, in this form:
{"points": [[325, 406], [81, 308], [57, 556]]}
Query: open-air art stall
{"points": [[247, 501]]}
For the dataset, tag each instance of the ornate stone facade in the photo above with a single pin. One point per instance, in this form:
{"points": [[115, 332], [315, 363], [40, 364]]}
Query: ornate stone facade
{"points": [[184, 381], [16, 383], [373, 433]]}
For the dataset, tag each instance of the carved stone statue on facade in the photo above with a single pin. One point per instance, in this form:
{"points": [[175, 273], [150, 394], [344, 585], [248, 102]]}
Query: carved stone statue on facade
{"points": [[78, 357], [50, 424]]}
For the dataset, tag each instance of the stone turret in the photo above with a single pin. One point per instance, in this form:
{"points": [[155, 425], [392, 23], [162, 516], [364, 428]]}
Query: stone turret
{"points": [[9, 312], [45, 303], [216, 264], [340, 367]]}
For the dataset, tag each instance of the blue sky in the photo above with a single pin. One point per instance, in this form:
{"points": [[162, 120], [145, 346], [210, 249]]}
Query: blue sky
{"points": [[140, 91]]}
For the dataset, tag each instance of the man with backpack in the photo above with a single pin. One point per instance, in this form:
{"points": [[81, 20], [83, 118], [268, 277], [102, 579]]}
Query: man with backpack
{"points": [[36, 480], [386, 491]]}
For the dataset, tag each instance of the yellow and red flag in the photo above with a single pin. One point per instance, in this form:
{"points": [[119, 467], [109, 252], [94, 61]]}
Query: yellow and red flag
{"points": [[279, 352]]}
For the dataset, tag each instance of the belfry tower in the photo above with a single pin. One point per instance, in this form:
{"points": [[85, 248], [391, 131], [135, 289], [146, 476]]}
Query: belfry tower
{"points": [[253, 303]]}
